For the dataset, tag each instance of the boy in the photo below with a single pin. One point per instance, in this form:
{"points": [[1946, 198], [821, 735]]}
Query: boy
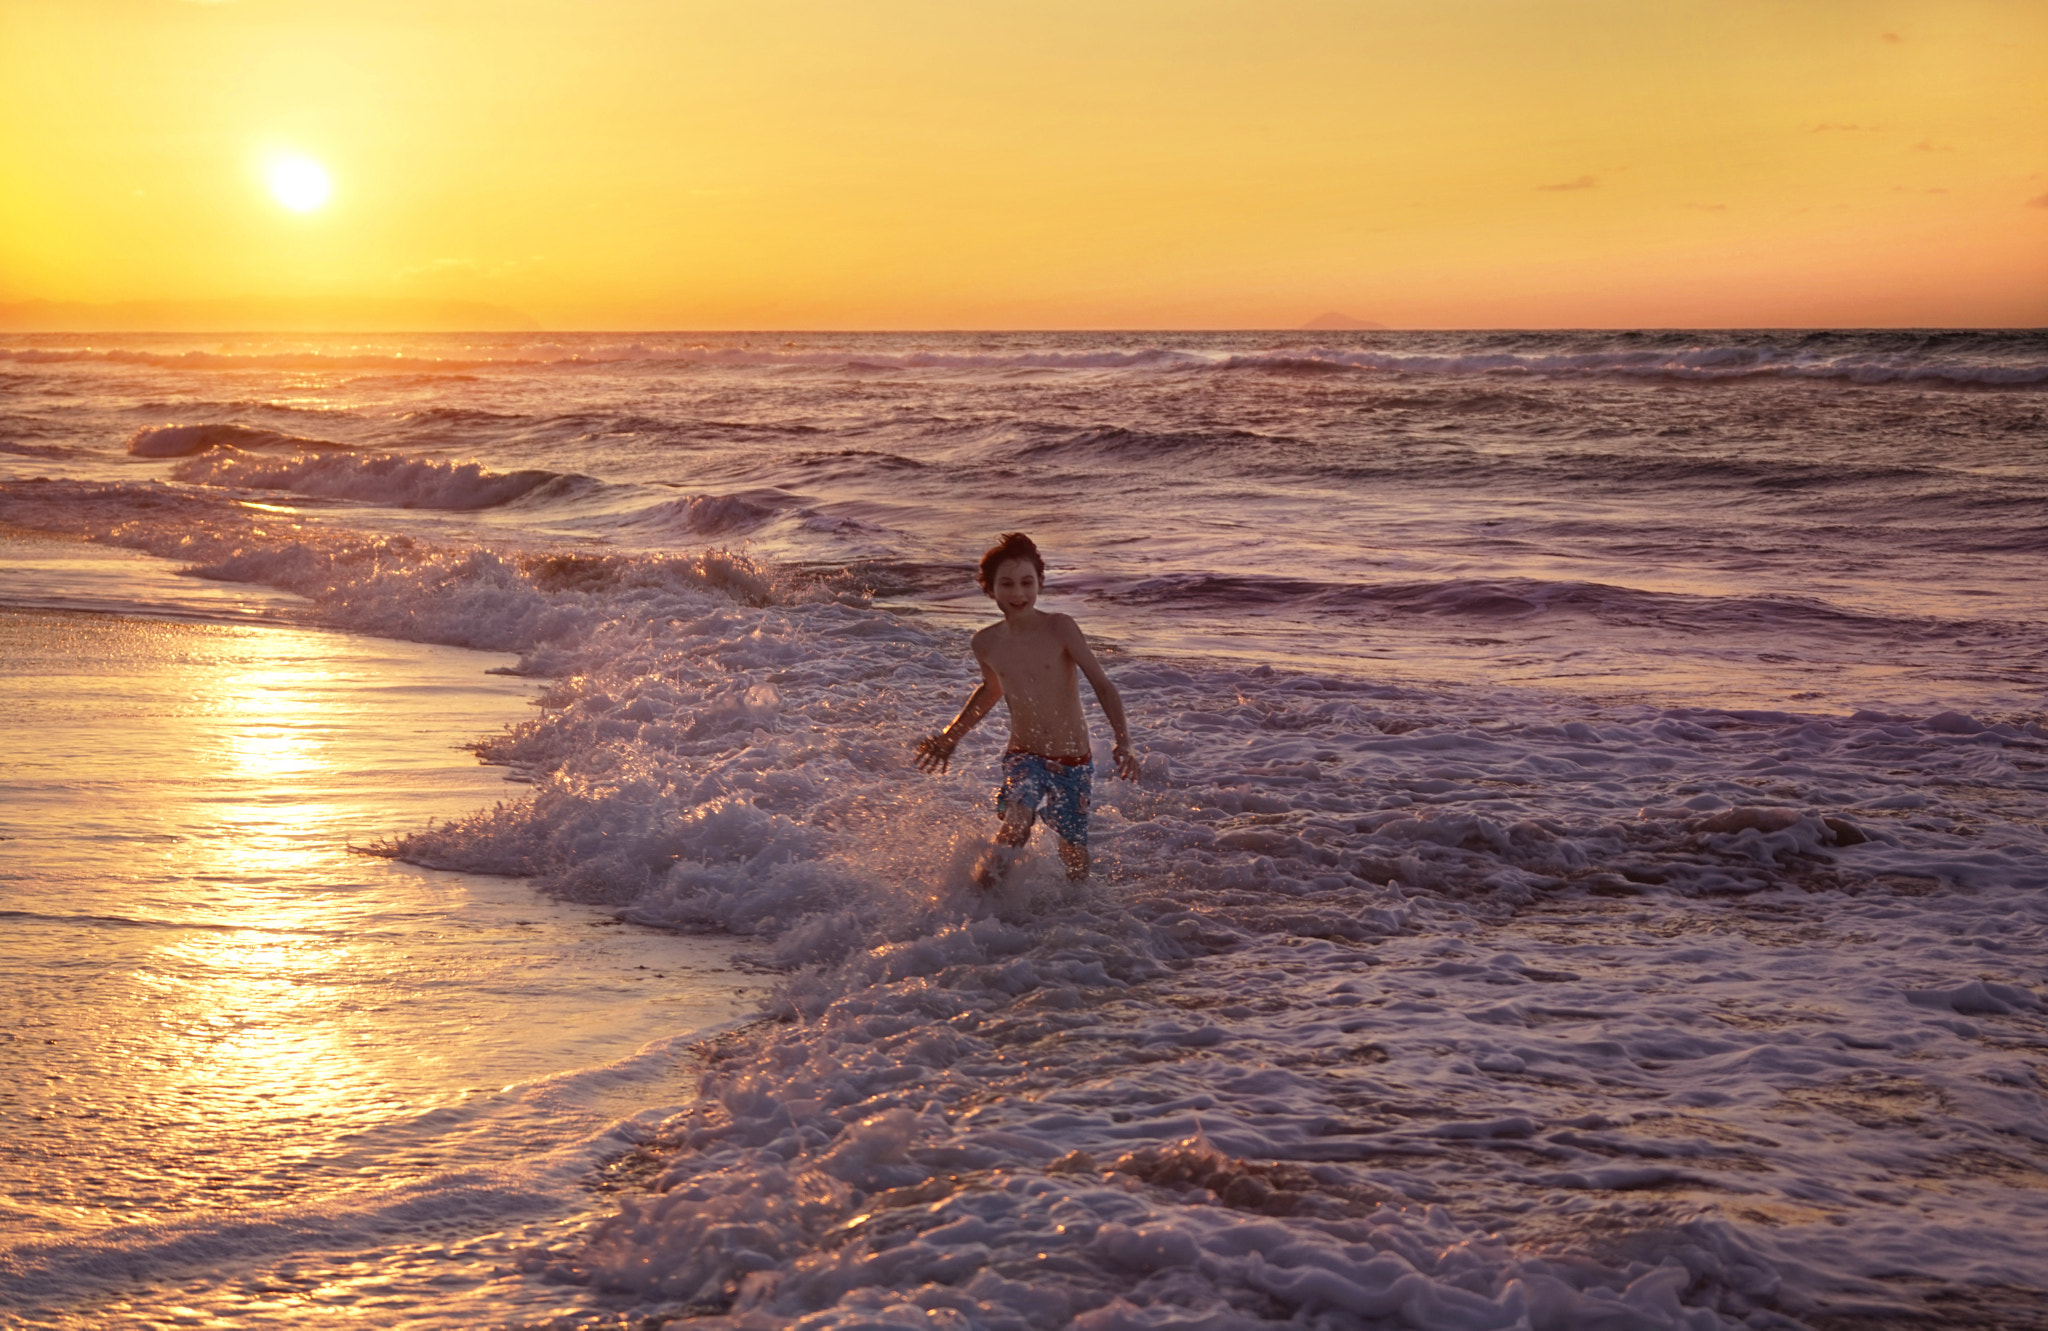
{"points": [[1030, 659]]}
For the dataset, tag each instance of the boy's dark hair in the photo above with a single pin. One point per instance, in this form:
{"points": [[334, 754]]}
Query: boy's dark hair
{"points": [[1010, 545]]}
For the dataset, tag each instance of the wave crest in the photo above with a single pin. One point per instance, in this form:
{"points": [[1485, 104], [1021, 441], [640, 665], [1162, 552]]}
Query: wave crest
{"points": [[712, 514], [377, 478], [181, 441]]}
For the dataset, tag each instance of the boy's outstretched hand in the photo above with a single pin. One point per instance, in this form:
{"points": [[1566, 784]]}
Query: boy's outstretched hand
{"points": [[934, 752], [1125, 761]]}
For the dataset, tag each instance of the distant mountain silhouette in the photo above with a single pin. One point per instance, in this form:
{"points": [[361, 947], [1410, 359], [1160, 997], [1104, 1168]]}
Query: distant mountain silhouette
{"points": [[1334, 320]]}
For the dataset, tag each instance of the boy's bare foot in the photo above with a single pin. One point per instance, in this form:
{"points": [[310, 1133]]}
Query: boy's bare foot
{"points": [[994, 866]]}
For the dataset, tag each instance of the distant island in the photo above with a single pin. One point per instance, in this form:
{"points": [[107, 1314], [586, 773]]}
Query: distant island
{"points": [[1335, 321]]}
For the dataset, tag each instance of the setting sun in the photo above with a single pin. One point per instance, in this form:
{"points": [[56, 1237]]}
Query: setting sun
{"points": [[299, 183]]}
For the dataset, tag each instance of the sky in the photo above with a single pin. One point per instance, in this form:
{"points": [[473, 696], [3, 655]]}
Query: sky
{"points": [[891, 164]]}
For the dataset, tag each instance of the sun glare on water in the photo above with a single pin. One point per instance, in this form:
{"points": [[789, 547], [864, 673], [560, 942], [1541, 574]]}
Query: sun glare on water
{"points": [[300, 183]]}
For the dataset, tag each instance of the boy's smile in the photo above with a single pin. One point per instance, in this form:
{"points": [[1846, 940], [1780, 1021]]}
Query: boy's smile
{"points": [[1016, 587]]}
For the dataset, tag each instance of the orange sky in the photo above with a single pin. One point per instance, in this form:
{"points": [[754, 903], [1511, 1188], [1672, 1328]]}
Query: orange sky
{"points": [[966, 163]]}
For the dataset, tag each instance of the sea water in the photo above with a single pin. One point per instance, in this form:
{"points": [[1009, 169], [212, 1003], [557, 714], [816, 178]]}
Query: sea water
{"points": [[1587, 869]]}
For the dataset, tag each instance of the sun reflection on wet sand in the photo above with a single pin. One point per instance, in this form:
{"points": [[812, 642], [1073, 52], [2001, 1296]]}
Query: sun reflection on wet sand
{"points": [[272, 736]]}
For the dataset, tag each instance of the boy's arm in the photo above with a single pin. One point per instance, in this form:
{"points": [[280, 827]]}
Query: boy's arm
{"points": [[1105, 693], [934, 752]]}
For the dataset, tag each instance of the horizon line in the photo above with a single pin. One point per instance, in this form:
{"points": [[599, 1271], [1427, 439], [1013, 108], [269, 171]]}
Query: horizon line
{"points": [[1032, 329]]}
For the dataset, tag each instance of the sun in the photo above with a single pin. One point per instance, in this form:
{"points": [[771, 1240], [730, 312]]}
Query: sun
{"points": [[300, 183]]}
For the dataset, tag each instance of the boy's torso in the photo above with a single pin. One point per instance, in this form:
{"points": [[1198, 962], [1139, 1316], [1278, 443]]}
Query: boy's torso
{"points": [[1039, 683]]}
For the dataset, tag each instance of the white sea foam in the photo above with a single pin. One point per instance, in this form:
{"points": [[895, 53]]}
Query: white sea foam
{"points": [[1469, 1011], [1457, 1008]]}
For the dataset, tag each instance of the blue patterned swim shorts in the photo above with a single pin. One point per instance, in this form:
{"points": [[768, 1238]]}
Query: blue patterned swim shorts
{"points": [[1054, 790]]}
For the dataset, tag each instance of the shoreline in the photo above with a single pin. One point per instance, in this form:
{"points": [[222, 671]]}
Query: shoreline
{"points": [[220, 1015]]}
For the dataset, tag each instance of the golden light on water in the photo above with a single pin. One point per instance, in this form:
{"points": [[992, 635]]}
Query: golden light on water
{"points": [[276, 729], [299, 183]]}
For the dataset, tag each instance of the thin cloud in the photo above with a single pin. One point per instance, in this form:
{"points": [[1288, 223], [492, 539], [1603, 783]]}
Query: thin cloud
{"points": [[1583, 182], [1706, 207], [2038, 201], [1930, 146], [1891, 37]]}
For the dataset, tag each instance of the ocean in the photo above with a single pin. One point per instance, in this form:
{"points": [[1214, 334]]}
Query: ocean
{"points": [[1587, 870]]}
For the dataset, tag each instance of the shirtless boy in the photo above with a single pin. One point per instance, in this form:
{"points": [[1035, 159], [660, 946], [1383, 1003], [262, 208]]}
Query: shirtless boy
{"points": [[1029, 659]]}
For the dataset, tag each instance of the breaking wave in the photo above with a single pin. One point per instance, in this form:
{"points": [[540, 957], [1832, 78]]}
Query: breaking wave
{"points": [[374, 478]]}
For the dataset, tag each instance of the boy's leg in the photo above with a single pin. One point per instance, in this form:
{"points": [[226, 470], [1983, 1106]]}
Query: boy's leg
{"points": [[1066, 813], [1016, 828], [1010, 837]]}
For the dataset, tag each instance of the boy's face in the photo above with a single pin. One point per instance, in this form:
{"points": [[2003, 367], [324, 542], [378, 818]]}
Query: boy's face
{"points": [[1015, 586]]}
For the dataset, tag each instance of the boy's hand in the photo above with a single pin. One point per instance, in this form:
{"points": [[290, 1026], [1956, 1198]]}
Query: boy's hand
{"points": [[1125, 762], [934, 752]]}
